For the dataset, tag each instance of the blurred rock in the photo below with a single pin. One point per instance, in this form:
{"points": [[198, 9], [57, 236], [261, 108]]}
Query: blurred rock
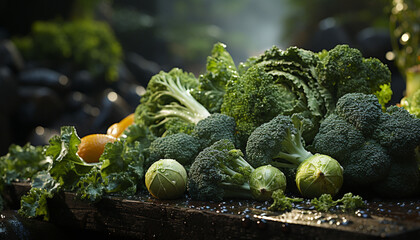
{"points": [[374, 42], [328, 35], [8, 91], [38, 105], [44, 77], [141, 68], [113, 108], [83, 81], [10, 56]]}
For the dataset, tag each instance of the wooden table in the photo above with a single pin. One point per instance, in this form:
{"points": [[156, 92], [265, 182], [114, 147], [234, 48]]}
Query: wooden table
{"points": [[142, 217]]}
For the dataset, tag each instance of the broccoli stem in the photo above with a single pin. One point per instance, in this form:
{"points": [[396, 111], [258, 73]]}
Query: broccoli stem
{"points": [[237, 191], [193, 110], [239, 161], [294, 152]]}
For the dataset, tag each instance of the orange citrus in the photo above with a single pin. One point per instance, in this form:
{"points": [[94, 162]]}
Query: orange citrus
{"points": [[92, 146], [117, 129]]}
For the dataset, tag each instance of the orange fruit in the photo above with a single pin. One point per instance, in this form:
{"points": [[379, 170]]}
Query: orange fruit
{"points": [[117, 129], [92, 146]]}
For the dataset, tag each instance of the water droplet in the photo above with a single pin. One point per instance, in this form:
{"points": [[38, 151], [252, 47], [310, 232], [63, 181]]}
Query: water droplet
{"points": [[262, 223], [246, 222]]}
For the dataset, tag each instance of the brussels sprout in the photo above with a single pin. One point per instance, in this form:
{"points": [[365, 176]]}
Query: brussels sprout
{"points": [[319, 174], [264, 180], [166, 179]]}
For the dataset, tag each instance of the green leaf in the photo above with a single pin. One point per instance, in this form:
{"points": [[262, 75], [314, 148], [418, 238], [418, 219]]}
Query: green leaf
{"points": [[67, 167], [281, 202], [324, 203]]}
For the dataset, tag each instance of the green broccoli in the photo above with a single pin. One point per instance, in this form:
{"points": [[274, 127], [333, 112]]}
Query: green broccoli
{"points": [[277, 82], [168, 95], [371, 145], [219, 172], [278, 142], [214, 128], [344, 70], [179, 146], [398, 131]]}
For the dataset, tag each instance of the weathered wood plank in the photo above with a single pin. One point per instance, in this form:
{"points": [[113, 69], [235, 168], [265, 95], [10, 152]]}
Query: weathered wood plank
{"points": [[148, 218]]}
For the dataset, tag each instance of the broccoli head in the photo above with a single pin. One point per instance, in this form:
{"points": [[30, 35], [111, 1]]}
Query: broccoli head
{"points": [[214, 128], [398, 131], [343, 70], [337, 138], [278, 142], [180, 146], [360, 110], [367, 164], [219, 172], [370, 144]]}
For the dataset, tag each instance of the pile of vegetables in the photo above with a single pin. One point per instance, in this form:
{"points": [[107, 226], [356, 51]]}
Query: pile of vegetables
{"points": [[283, 124]]}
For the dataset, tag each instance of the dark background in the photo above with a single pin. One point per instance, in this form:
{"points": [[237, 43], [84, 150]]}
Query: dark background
{"points": [[159, 35]]}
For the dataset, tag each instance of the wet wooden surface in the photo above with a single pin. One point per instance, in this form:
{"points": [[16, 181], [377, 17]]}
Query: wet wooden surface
{"points": [[142, 217]]}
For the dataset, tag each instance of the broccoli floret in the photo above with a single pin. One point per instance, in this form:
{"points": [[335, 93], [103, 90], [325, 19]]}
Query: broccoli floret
{"points": [[168, 95], [254, 99], [398, 131], [281, 202], [367, 164], [214, 128], [219, 172], [344, 70], [177, 125], [361, 110], [348, 202], [370, 144], [278, 142], [180, 146], [337, 138]]}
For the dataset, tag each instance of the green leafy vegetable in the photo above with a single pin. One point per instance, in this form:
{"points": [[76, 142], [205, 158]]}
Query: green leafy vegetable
{"points": [[212, 84], [348, 202], [282, 202]]}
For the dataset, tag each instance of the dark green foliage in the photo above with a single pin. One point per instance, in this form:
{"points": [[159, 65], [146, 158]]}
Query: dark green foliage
{"points": [[219, 172]]}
